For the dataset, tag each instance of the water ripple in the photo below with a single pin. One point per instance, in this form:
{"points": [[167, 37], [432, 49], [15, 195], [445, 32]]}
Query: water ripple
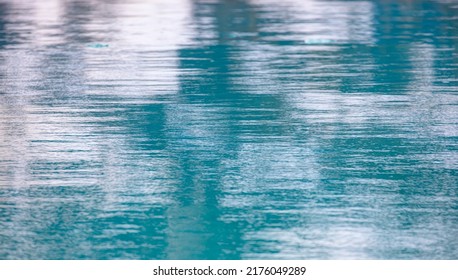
{"points": [[228, 129]]}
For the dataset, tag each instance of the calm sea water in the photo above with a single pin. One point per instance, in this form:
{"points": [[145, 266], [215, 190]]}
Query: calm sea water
{"points": [[228, 129]]}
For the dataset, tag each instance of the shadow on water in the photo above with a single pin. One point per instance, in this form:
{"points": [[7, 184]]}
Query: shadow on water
{"points": [[203, 126]]}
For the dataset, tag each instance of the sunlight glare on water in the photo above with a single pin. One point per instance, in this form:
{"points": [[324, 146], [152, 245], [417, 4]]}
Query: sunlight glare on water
{"points": [[247, 129]]}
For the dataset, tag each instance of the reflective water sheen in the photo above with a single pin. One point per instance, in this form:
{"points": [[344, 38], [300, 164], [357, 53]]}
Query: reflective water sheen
{"points": [[228, 129]]}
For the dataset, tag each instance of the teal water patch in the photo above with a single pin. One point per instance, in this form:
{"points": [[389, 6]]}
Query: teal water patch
{"points": [[318, 41], [97, 45]]}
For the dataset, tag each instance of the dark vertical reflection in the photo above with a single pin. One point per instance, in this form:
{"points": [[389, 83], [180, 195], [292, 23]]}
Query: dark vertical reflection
{"points": [[3, 9], [201, 133]]}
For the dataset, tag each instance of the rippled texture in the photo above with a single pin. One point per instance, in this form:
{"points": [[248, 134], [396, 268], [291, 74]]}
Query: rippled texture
{"points": [[228, 129]]}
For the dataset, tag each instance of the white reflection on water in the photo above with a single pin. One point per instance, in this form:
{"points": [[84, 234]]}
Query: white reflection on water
{"points": [[322, 23]]}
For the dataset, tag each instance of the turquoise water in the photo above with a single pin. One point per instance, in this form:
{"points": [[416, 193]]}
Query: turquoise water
{"points": [[228, 129]]}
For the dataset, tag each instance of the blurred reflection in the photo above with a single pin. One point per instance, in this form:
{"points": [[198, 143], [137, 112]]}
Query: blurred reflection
{"points": [[228, 129]]}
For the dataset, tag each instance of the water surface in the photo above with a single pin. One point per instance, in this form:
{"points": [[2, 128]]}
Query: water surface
{"points": [[228, 129]]}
